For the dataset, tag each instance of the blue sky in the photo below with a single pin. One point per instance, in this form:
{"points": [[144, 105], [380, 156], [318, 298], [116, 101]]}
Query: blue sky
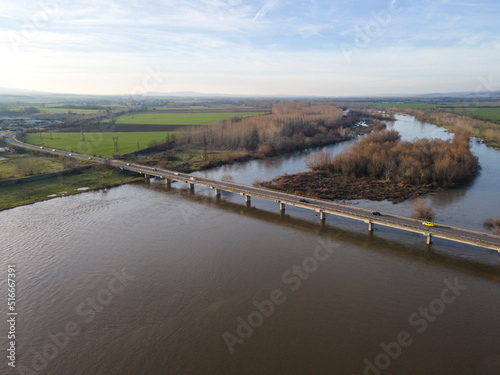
{"points": [[309, 47]]}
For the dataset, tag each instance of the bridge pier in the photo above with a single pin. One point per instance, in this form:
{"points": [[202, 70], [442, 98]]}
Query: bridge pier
{"points": [[322, 216], [217, 193], [191, 186], [248, 199], [370, 226], [168, 181], [282, 206], [429, 238]]}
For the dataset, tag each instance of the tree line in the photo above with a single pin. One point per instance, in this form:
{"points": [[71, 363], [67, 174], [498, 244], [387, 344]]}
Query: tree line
{"points": [[290, 126]]}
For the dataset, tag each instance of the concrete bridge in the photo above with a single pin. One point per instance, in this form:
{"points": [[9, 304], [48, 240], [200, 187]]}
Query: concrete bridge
{"points": [[323, 207]]}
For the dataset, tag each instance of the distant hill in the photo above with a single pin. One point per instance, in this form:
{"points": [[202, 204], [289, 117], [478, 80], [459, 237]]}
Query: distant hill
{"points": [[11, 91], [13, 95], [194, 94]]}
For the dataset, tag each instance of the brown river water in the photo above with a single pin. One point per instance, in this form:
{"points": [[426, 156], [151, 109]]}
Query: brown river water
{"points": [[146, 279]]}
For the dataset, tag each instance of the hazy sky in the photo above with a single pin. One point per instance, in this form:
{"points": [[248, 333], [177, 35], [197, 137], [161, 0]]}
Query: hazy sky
{"points": [[309, 47]]}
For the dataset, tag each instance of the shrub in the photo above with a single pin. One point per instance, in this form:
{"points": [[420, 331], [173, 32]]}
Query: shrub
{"points": [[319, 161], [422, 211], [493, 224]]}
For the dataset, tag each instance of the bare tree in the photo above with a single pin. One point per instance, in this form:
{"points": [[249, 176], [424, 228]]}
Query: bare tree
{"points": [[422, 211], [30, 166], [257, 182], [319, 161], [493, 224]]}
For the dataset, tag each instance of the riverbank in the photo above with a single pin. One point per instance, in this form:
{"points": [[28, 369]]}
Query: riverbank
{"points": [[79, 181]]}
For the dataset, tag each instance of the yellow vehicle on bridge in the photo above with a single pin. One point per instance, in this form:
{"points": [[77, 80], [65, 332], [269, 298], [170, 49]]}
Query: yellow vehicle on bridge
{"points": [[428, 224]]}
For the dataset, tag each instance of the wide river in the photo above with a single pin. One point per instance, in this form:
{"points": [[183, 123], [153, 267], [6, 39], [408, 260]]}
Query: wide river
{"points": [[146, 279]]}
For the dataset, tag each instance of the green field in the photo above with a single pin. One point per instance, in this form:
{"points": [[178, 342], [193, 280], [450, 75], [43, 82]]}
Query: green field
{"points": [[405, 105], [53, 110], [65, 108], [179, 118], [194, 107], [188, 107], [488, 114], [466, 108], [96, 143], [78, 111]]}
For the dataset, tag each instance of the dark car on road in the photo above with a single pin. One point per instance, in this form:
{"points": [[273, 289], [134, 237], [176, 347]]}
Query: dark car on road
{"points": [[376, 213]]}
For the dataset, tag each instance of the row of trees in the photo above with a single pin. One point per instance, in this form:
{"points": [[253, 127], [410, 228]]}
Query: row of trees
{"points": [[382, 155], [289, 127]]}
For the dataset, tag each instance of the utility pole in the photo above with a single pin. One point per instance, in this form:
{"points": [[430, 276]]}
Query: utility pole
{"points": [[205, 151], [115, 141]]}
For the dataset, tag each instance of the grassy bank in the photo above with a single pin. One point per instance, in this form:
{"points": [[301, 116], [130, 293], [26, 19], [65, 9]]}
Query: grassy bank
{"points": [[93, 178], [22, 165]]}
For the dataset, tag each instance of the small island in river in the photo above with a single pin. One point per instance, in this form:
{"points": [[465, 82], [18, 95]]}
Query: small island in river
{"points": [[383, 167]]}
